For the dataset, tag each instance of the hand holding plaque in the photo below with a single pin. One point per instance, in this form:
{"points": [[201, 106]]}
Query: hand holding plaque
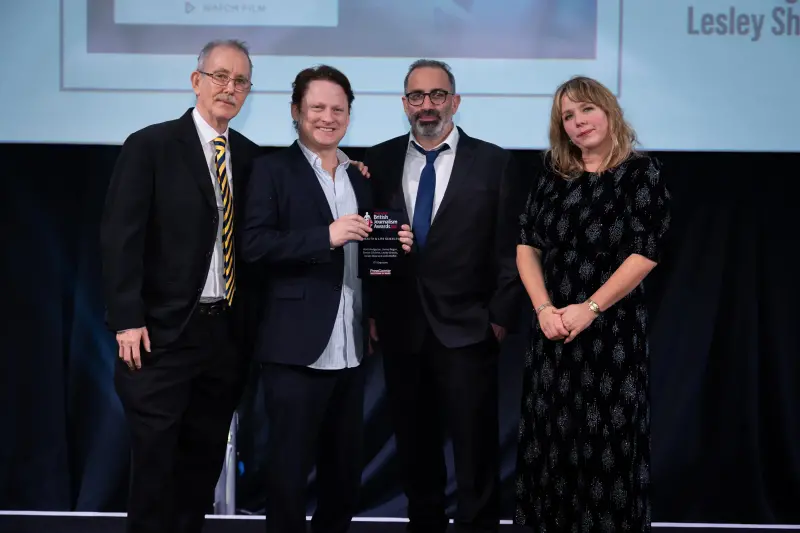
{"points": [[348, 228], [381, 254]]}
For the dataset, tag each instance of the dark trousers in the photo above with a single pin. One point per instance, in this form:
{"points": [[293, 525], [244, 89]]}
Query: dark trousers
{"points": [[315, 417], [179, 407], [455, 389]]}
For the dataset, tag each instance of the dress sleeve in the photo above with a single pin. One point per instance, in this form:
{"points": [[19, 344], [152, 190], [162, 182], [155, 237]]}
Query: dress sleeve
{"points": [[647, 210], [528, 234]]}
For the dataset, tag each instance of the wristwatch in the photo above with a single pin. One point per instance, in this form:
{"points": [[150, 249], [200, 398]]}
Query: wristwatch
{"points": [[593, 306]]}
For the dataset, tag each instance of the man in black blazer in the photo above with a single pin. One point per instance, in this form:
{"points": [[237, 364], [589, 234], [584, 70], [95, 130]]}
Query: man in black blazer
{"points": [[441, 328], [302, 227], [175, 295]]}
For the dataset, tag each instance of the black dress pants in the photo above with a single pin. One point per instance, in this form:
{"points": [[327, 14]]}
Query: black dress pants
{"points": [[315, 418], [179, 406], [435, 390]]}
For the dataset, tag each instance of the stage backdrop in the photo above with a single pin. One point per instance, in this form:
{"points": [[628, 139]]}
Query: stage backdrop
{"points": [[673, 64], [725, 349]]}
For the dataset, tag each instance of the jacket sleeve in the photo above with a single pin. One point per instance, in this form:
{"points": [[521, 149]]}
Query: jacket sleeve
{"points": [[123, 233], [262, 239], [504, 306]]}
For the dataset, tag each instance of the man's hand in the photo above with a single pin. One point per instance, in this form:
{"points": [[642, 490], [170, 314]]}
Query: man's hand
{"points": [[373, 335], [406, 237], [364, 169], [129, 342], [499, 332], [348, 228]]}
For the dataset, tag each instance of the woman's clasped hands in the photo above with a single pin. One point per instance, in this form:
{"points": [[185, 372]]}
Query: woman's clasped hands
{"points": [[566, 322]]}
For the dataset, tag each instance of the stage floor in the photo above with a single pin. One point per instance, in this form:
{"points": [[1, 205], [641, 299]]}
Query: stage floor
{"points": [[96, 523], [44, 522]]}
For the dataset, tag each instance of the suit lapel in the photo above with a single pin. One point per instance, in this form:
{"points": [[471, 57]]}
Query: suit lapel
{"points": [[397, 162], [465, 154], [306, 175], [195, 158], [239, 169], [360, 189]]}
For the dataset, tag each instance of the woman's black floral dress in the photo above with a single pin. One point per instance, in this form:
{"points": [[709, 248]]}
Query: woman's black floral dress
{"points": [[584, 434]]}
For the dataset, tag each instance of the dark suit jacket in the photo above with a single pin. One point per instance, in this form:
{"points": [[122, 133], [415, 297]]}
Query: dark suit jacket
{"points": [[286, 232], [159, 228], [466, 276]]}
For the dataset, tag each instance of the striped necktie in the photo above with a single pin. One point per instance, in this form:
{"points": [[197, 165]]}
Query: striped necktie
{"points": [[220, 146]]}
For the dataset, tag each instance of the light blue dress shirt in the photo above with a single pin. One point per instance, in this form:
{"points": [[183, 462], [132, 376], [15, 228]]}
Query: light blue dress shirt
{"points": [[345, 347]]}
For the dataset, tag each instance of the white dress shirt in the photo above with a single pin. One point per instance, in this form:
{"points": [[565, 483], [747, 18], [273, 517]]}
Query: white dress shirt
{"points": [[412, 170], [214, 288], [345, 346]]}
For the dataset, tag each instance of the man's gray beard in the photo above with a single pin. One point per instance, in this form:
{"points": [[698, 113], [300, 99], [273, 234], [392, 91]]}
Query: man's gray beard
{"points": [[429, 131]]}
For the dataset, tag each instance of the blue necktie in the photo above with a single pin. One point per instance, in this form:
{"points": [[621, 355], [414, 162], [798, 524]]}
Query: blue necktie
{"points": [[423, 207]]}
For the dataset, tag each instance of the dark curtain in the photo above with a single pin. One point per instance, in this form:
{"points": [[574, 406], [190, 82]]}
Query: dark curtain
{"points": [[726, 344], [725, 348]]}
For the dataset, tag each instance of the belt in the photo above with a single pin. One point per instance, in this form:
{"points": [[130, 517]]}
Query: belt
{"points": [[220, 307]]}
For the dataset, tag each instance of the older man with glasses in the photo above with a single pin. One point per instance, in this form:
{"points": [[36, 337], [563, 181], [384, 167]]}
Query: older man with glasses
{"points": [[176, 298]]}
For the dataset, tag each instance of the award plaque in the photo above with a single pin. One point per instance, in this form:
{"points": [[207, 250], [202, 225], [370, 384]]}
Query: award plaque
{"points": [[381, 254]]}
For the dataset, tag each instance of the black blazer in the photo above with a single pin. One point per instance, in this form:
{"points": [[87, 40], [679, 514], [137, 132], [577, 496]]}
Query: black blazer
{"points": [[286, 233], [159, 228], [466, 277]]}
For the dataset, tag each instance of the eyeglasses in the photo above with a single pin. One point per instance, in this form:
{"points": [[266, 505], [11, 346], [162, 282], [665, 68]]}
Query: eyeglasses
{"points": [[436, 96], [220, 78]]}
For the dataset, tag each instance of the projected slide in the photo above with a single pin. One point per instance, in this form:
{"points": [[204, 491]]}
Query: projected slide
{"points": [[689, 74], [263, 13], [500, 47]]}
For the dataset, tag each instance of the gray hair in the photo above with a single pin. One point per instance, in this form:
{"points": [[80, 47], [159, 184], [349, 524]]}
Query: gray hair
{"points": [[223, 43], [430, 63]]}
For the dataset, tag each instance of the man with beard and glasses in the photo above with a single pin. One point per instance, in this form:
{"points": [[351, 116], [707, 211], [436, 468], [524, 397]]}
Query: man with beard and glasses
{"points": [[441, 327]]}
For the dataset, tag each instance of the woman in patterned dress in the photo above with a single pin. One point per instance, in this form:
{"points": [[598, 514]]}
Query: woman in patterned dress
{"points": [[592, 229]]}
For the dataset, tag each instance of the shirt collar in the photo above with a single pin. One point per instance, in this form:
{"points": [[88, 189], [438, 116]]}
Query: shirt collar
{"points": [[315, 160], [451, 140], [207, 133]]}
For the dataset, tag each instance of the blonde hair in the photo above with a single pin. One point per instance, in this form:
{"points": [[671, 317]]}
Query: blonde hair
{"points": [[565, 157]]}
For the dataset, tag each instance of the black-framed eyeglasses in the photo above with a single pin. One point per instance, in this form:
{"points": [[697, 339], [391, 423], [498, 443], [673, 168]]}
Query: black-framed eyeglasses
{"points": [[436, 96], [220, 78]]}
